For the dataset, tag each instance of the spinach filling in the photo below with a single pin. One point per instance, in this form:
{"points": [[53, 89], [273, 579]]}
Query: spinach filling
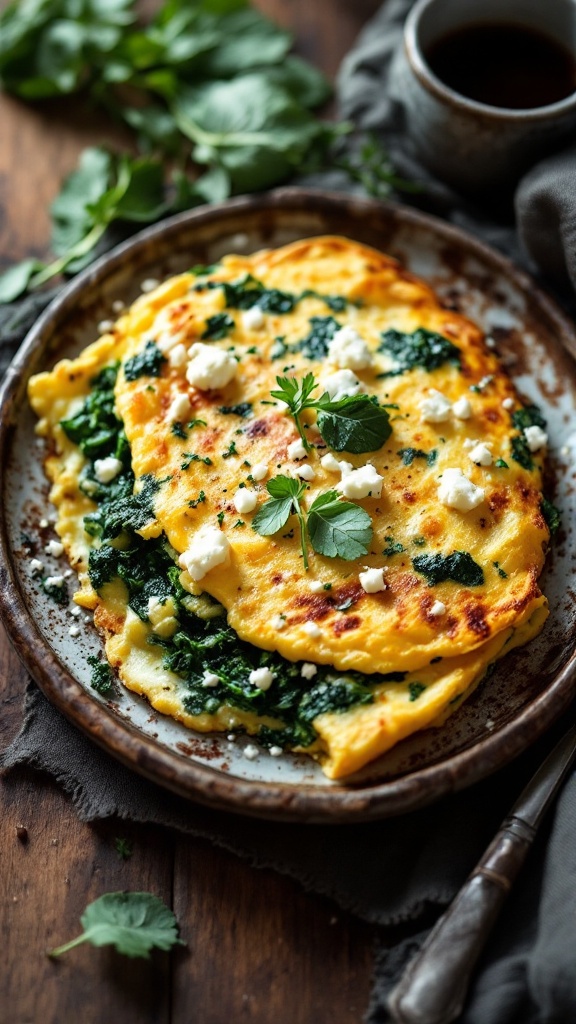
{"points": [[459, 567], [422, 348], [200, 644]]}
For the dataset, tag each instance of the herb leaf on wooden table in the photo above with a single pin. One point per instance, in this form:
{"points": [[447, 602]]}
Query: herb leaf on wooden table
{"points": [[132, 922]]}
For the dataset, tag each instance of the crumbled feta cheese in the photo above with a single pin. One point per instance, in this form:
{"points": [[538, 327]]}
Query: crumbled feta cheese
{"points": [[275, 751], [253, 319], [480, 454], [105, 326], [54, 548], [438, 608], [259, 471], [341, 384], [508, 404], [363, 482], [348, 350], [372, 581], [296, 450], [316, 586], [53, 581], [36, 566], [484, 382], [75, 611], [209, 679], [305, 472], [330, 463], [118, 306], [458, 492], [180, 408], [209, 548], [278, 623], [231, 737], [210, 367], [435, 408], [107, 469], [245, 500], [74, 631], [67, 574], [536, 438], [149, 284], [262, 678], [470, 443], [43, 524], [312, 629], [251, 752], [167, 337], [308, 670], [177, 356], [490, 343], [462, 408]]}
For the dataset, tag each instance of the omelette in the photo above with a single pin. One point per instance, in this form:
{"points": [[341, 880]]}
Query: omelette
{"points": [[302, 497]]}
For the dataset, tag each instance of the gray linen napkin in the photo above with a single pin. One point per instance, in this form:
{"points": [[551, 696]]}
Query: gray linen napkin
{"points": [[396, 873]]}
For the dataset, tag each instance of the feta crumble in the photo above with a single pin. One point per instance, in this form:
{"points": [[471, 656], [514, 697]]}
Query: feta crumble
{"points": [[342, 384], [372, 581], [305, 472], [296, 450], [262, 678], [457, 491], [480, 454], [462, 408], [348, 350], [259, 471], [54, 548], [308, 670], [363, 482], [253, 319], [536, 438], [53, 581], [278, 623], [251, 752], [245, 500], [107, 469], [508, 404], [105, 326], [316, 586], [275, 751], [36, 566], [209, 548], [74, 631], [312, 629], [435, 408], [149, 284], [210, 367], [180, 408], [438, 608], [177, 356], [210, 679]]}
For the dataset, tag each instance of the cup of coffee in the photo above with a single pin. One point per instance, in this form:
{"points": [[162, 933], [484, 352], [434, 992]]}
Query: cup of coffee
{"points": [[488, 87]]}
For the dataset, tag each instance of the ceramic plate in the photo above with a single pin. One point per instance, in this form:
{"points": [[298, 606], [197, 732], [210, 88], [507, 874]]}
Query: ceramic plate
{"points": [[530, 687]]}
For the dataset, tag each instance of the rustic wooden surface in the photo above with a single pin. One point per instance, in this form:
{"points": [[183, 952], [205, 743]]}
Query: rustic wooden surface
{"points": [[258, 949]]}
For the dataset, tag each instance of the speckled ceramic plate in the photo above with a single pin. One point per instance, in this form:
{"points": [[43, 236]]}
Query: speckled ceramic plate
{"points": [[530, 687]]}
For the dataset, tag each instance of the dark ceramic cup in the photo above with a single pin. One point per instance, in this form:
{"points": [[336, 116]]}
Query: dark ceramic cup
{"points": [[473, 146]]}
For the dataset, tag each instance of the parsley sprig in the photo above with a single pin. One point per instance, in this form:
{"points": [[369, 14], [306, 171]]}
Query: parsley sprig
{"points": [[335, 528], [133, 922], [355, 424]]}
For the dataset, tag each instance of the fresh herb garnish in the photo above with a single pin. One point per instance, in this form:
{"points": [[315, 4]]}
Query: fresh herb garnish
{"points": [[551, 515], [101, 677], [177, 428], [190, 457], [230, 451], [243, 409], [371, 167], [194, 502], [123, 848], [218, 326], [409, 454], [334, 527], [132, 922], [147, 363], [500, 464], [393, 547], [422, 348], [459, 567], [353, 424]]}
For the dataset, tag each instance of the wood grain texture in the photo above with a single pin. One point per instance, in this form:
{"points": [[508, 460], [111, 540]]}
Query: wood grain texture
{"points": [[258, 948]]}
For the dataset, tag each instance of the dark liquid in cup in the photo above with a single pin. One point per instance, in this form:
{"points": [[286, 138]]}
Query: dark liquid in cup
{"points": [[504, 66]]}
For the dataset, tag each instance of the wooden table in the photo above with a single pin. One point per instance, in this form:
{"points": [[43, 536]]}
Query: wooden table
{"points": [[258, 949]]}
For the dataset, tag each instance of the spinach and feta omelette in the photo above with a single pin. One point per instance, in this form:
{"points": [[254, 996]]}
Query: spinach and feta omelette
{"points": [[289, 483]]}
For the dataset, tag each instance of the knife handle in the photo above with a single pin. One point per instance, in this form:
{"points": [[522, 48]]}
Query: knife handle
{"points": [[433, 987]]}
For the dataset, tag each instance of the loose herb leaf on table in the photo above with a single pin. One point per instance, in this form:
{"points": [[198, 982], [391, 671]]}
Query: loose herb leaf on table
{"points": [[133, 922]]}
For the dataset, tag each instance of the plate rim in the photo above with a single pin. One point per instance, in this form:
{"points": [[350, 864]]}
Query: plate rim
{"points": [[123, 740]]}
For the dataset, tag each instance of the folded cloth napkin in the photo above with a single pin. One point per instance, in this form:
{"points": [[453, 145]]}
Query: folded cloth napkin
{"points": [[398, 873]]}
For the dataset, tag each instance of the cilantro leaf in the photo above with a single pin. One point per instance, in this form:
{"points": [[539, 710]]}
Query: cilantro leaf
{"points": [[338, 528], [353, 424], [132, 922]]}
